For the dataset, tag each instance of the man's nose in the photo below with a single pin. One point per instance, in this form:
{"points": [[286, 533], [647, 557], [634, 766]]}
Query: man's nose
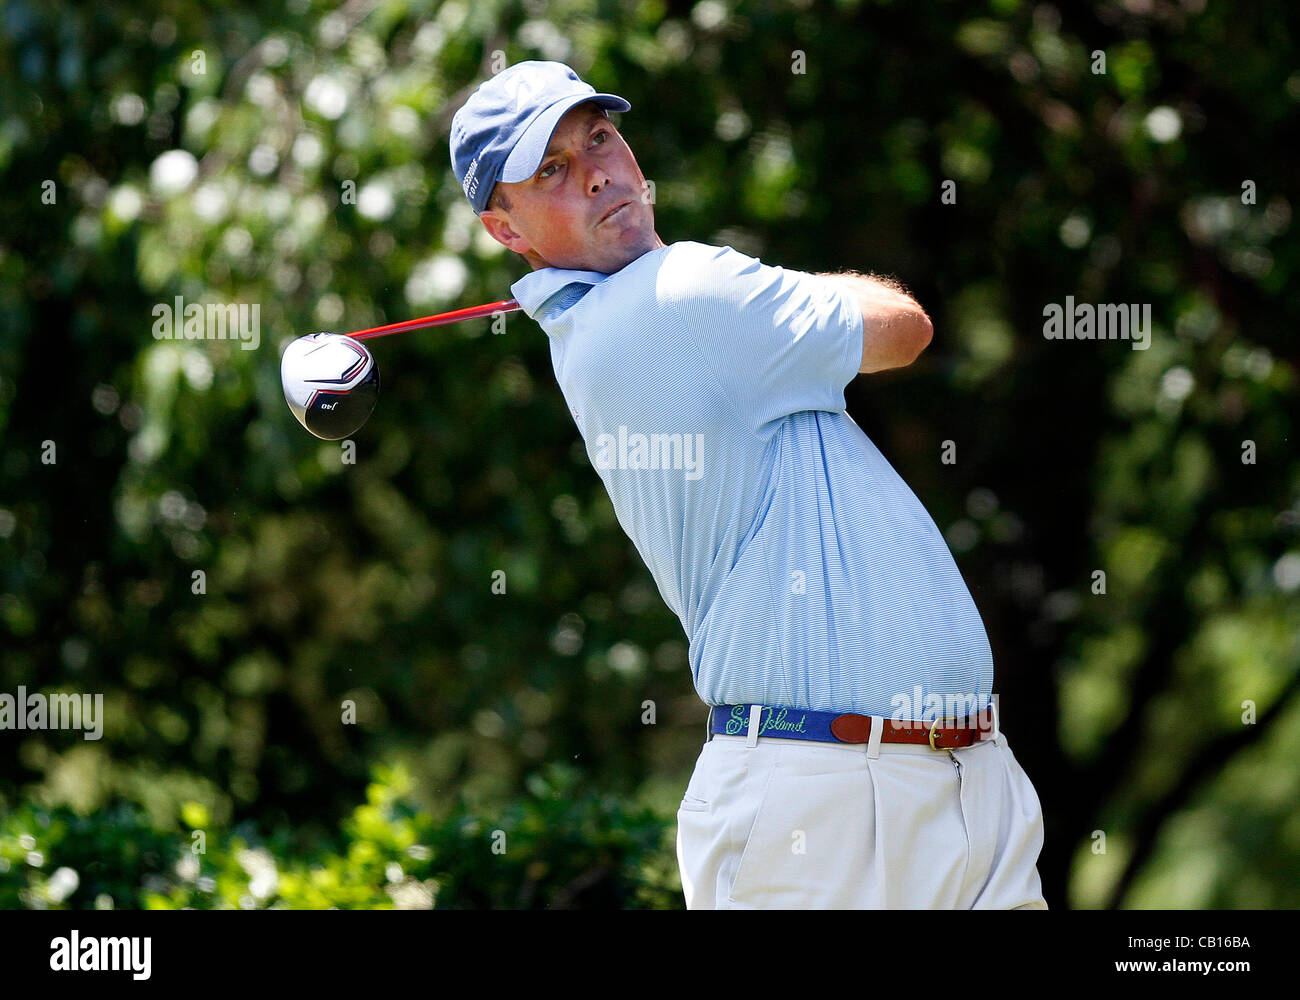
{"points": [[598, 180]]}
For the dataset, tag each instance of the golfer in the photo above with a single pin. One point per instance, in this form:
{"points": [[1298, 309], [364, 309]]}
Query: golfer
{"points": [[854, 756]]}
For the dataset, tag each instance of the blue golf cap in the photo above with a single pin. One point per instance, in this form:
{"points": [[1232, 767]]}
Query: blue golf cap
{"points": [[501, 132]]}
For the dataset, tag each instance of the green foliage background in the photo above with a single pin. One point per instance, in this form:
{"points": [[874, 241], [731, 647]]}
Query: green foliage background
{"points": [[814, 134]]}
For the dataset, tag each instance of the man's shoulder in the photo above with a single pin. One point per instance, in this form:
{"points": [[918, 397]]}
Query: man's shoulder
{"points": [[692, 269], [691, 253]]}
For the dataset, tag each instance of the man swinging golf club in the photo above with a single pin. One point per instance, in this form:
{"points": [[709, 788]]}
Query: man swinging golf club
{"points": [[854, 758]]}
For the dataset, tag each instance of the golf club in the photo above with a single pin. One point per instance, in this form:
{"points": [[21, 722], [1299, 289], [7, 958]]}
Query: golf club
{"points": [[331, 381], [473, 312]]}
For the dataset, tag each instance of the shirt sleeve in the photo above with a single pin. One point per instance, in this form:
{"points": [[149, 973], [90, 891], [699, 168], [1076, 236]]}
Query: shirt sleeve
{"points": [[779, 341]]}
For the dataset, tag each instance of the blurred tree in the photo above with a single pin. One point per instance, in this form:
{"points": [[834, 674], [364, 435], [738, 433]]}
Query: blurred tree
{"points": [[294, 159]]}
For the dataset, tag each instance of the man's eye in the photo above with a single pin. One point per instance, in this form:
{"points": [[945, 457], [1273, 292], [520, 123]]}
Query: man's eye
{"points": [[602, 135], [546, 170]]}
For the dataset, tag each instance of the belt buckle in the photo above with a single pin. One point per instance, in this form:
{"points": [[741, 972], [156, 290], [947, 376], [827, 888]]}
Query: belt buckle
{"points": [[933, 726]]}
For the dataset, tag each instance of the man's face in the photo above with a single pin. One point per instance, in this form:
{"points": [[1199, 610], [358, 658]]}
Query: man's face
{"points": [[557, 218]]}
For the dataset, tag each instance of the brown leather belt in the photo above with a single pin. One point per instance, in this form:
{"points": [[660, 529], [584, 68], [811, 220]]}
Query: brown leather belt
{"points": [[938, 735]]}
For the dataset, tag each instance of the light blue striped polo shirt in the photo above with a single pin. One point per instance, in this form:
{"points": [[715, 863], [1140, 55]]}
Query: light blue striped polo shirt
{"points": [[709, 390]]}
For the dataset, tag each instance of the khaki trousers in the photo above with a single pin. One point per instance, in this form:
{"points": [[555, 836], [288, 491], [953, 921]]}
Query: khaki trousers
{"points": [[794, 824]]}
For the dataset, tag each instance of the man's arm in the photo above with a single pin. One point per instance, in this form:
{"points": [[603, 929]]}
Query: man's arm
{"points": [[895, 329]]}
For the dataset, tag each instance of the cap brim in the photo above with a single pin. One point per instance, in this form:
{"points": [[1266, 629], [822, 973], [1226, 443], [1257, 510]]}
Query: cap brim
{"points": [[527, 155]]}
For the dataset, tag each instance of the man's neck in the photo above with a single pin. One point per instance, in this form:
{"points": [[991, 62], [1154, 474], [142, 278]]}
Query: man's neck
{"points": [[537, 263]]}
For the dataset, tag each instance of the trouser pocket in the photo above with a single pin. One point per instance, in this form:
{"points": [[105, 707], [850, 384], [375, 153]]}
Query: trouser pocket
{"points": [[810, 843]]}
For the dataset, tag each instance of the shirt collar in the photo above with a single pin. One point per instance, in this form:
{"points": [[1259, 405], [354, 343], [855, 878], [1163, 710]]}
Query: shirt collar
{"points": [[534, 289]]}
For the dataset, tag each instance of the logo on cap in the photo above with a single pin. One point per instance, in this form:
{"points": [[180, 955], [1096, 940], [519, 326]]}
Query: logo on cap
{"points": [[470, 184]]}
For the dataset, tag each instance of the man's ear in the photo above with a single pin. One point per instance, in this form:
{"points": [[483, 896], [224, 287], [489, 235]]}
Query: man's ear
{"points": [[498, 227]]}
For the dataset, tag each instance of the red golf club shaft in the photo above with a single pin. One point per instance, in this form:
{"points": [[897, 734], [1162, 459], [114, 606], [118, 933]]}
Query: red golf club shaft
{"points": [[473, 312]]}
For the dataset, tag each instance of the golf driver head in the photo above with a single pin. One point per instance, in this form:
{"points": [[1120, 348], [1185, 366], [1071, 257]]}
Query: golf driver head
{"points": [[331, 383]]}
